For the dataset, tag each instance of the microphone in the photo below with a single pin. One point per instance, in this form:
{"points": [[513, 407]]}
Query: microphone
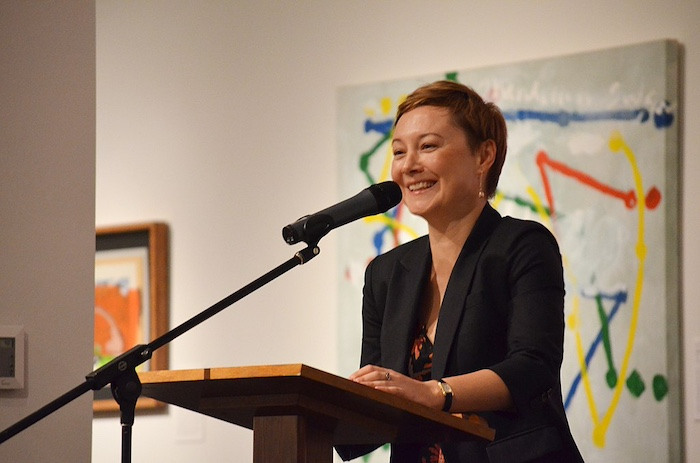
{"points": [[375, 199]]}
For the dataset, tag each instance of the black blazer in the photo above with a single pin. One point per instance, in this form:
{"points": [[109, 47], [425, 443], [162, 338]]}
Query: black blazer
{"points": [[503, 309]]}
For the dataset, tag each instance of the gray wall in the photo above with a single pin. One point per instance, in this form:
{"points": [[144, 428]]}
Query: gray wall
{"points": [[47, 184], [219, 118]]}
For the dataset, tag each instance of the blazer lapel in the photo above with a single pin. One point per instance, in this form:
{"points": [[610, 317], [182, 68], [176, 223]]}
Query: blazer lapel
{"points": [[401, 318], [459, 286]]}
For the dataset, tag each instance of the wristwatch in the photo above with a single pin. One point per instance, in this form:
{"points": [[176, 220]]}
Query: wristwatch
{"points": [[447, 393]]}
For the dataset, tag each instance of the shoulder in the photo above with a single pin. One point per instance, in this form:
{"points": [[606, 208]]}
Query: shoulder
{"points": [[529, 252], [516, 226], [511, 230], [406, 252], [400, 259], [518, 246]]}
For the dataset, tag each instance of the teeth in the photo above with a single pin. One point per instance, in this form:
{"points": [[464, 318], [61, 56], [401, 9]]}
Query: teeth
{"points": [[420, 186]]}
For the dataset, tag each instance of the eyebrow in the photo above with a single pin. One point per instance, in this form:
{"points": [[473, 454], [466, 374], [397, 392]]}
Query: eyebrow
{"points": [[393, 139]]}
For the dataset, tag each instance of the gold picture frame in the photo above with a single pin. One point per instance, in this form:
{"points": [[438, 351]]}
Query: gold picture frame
{"points": [[131, 299]]}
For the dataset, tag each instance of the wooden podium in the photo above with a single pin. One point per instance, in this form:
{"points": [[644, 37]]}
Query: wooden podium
{"points": [[298, 413]]}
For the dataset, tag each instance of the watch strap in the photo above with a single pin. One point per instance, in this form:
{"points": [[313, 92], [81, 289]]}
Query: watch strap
{"points": [[447, 393]]}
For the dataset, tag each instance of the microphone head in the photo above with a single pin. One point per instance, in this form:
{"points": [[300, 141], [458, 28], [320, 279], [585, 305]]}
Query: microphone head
{"points": [[387, 195], [376, 199]]}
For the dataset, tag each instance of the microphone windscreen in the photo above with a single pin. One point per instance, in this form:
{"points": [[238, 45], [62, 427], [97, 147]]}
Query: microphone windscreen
{"points": [[387, 195]]}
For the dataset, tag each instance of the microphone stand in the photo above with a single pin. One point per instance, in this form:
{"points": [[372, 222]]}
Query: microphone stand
{"points": [[121, 371]]}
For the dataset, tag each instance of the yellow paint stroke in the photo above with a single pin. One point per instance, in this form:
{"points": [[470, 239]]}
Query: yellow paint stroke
{"points": [[600, 428], [539, 207], [573, 323], [574, 320], [581, 355], [386, 108], [386, 105], [497, 199], [385, 173]]}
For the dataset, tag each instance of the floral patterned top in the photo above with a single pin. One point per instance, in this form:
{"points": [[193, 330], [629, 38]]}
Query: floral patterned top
{"points": [[419, 367]]}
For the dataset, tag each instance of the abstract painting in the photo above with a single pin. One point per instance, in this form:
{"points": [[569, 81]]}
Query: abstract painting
{"points": [[131, 298]]}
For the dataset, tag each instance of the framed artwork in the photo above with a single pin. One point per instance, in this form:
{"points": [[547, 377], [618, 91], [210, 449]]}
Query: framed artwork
{"points": [[131, 299], [593, 154]]}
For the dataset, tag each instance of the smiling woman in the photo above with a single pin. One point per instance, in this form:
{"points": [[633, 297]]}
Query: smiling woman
{"points": [[471, 317]]}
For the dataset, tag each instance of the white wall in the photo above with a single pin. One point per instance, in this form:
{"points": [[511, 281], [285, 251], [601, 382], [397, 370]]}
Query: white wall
{"points": [[47, 215], [218, 117]]}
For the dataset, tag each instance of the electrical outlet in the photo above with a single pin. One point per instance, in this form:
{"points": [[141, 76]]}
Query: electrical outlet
{"points": [[12, 343]]}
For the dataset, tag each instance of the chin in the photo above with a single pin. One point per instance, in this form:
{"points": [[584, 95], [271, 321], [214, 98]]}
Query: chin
{"points": [[418, 211]]}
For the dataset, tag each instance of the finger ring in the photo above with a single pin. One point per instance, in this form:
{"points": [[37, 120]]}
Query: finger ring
{"points": [[388, 376]]}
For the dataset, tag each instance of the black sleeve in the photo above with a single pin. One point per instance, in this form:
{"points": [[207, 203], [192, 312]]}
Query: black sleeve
{"points": [[535, 333]]}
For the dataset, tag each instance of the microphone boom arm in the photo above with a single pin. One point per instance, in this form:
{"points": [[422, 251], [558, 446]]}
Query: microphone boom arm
{"points": [[121, 371]]}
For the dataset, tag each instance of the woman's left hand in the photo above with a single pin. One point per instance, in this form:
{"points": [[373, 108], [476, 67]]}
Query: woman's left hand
{"points": [[424, 392]]}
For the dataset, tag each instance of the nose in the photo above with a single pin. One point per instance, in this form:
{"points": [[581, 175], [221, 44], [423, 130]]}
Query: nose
{"points": [[411, 162]]}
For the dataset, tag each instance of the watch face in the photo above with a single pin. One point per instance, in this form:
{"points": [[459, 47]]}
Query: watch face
{"points": [[446, 389]]}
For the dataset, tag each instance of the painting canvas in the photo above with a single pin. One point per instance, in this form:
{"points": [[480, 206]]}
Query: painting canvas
{"points": [[593, 155], [131, 299]]}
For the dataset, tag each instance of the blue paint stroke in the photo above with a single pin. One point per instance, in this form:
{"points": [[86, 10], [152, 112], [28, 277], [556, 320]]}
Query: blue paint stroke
{"points": [[382, 127], [663, 116], [619, 298], [564, 118]]}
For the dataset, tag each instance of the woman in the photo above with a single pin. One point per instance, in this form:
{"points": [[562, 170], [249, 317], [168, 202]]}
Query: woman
{"points": [[470, 317]]}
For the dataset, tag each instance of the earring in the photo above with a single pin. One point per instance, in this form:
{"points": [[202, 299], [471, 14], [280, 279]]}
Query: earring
{"points": [[482, 194]]}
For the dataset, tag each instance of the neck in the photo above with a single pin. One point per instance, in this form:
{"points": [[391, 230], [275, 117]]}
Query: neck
{"points": [[447, 240]]}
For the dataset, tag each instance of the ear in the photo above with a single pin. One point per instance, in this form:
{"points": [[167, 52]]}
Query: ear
{"points": [[486, 156]]}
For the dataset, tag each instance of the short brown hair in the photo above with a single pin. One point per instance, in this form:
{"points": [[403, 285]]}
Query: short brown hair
{"points": [[481, 121]]}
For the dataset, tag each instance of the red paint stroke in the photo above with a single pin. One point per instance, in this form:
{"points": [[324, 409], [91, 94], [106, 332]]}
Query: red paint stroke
{"points": [[653, 198], [629, 198]]}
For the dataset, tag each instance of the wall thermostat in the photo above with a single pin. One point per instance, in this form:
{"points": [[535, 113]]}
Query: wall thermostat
{"points": [[12, 341]]}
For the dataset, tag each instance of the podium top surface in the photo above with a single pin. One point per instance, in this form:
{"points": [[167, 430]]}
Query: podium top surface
{"points": [[357, 414]]}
